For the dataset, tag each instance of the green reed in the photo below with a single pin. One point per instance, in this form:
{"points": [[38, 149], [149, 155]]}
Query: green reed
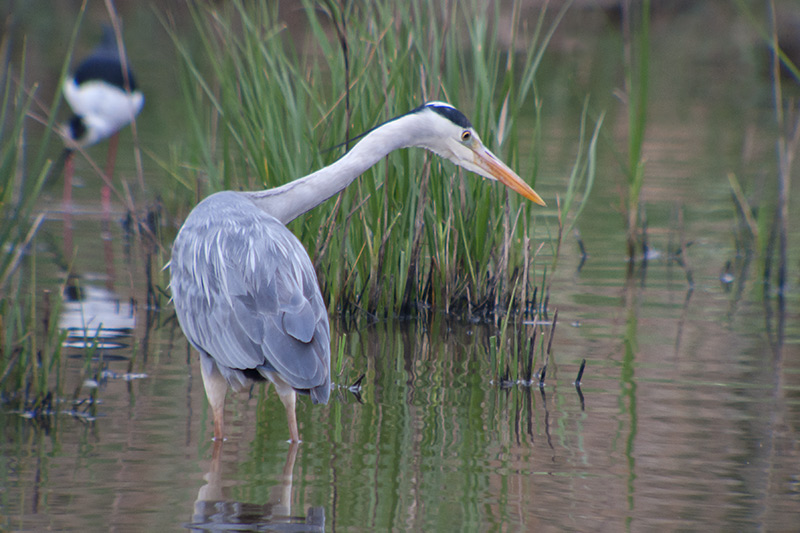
{"points": [[581, 180], [18, 188], [765, 226], [414, 232], [773, 212], [636, 26], [30, 348], [30, 343]]}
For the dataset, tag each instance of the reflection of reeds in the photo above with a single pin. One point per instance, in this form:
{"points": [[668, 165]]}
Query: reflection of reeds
{"points": [[411, 234], [778, 241], [513, 355], [768, 230], [30, 351]]}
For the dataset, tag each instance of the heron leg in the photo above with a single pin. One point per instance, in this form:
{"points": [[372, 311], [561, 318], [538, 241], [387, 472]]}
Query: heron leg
{"points": [[289, 400], [216, 388]]}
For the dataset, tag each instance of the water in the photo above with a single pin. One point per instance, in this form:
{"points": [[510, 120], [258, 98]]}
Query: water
{"points": [[687, 417]]}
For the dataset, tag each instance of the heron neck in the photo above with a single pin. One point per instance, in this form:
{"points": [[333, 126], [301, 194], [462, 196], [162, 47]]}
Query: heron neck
{"points": [[301, 195]]}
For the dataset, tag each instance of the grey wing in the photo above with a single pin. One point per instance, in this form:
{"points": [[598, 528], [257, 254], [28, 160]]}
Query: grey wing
{"points": [[246, 293]]}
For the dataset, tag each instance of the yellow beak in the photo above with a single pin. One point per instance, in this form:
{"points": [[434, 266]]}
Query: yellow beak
{"points": [[496, 169]]}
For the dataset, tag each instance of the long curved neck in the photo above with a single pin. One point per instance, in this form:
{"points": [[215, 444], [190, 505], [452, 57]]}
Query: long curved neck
{"points": [[295, 198]]}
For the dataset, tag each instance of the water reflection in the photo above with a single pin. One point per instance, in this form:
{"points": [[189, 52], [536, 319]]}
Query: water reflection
{"points": [[214, 510], [96, 317], [438, 444]]}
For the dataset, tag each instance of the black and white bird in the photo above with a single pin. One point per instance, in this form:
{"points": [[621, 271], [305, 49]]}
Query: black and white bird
{"points": [[103, 96], [104, 99]]}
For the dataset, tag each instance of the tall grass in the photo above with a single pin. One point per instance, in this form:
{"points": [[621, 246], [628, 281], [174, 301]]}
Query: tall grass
{"points": [[414, 232], [30, 350], [636, 20], [788, 139], [18, 190], [581, 180], [770, 232]]}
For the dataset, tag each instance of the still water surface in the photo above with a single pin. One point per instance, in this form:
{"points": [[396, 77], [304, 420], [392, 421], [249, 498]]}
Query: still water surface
{"points": [[688, 417], [685, 421]]}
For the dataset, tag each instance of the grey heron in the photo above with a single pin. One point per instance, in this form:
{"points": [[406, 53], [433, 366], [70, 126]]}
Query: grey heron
{"points": [[244, 288]]}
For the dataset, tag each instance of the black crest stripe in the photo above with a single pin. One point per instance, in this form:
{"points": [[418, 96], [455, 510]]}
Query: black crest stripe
{"points": [[449, 112], [452, 114]]}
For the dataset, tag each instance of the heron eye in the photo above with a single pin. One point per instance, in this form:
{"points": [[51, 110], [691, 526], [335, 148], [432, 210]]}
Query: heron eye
{"points": [[465, 136]]}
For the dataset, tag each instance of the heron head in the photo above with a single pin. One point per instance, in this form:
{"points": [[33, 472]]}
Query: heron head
{"points": [[452, 136]]}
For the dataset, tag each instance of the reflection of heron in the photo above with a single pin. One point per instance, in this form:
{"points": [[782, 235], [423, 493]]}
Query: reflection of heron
{"points": [[104, 99], [245, 290], [214, 511]]}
